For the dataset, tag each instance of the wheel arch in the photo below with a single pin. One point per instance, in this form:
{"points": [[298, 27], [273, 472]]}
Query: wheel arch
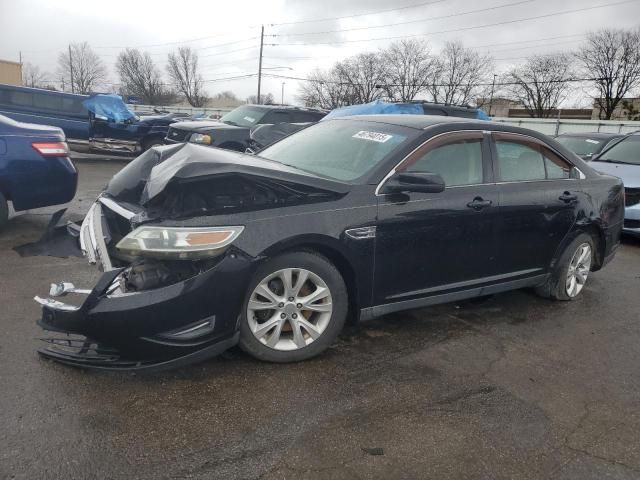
{"points": [[335, 252], [595, 231]]}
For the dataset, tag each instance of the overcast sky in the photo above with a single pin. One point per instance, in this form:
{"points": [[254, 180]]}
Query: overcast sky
{"points": [[226, 33]]}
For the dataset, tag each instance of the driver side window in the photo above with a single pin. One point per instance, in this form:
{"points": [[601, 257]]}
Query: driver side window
{"points": [[458, 162]]}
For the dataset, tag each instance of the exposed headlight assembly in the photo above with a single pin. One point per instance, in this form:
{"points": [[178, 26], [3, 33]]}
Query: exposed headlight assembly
{"points": [[178, 243], [201, 139]]}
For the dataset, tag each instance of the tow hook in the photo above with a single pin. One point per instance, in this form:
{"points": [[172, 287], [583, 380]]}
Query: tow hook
{"points": [[63, 288]]}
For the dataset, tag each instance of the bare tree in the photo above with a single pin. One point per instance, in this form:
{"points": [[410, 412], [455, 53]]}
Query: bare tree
{"points": [[32, 76], [541, 83], [408, 67], [364, 74], [139, 76], [226, 96], [612, 57], [82, 70], [265, 99], [325, 90], [459, 74], [183, 71]]}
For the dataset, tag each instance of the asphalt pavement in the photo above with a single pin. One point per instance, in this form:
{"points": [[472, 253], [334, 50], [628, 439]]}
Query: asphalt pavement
{"points": [[510, 386]]}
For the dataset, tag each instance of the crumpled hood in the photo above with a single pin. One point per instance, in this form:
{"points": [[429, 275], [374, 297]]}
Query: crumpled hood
{"points": [[148, 176], [630, 174]]}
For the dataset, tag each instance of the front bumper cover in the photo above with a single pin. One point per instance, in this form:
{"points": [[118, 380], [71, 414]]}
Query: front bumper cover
{"points": [[172, 325]]}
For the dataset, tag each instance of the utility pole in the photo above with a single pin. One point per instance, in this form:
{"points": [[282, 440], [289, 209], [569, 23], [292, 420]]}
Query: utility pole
{"points": [[282, 96], [71, 70], [21, 71], [260, 63], [493, 86]]}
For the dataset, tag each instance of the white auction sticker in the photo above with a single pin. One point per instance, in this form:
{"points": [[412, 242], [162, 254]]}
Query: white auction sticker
{"points": [[592, 141], [373, 136], [250, 119]]}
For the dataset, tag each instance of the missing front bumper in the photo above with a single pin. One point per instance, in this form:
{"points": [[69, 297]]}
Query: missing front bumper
{"points": [[81, 352], [173, 325]]}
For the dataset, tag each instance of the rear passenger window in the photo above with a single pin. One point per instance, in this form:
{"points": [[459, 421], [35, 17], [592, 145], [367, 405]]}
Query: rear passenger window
{"points": [[458, 162], [21, 98], [524, 161], [519, 161], [556, 167], [47, 102]]}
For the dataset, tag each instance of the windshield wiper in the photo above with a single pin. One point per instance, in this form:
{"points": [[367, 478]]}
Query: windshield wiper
{"points": [[229, 122]]}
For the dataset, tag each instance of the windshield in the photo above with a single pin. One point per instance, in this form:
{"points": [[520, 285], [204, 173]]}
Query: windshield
{"points": [[244, 116], [582, 145], [339, 149], [625, 151]]}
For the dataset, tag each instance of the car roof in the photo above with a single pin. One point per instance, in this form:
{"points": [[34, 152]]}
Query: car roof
{"points": [[412, 121], [592, 134], [284, 107]]}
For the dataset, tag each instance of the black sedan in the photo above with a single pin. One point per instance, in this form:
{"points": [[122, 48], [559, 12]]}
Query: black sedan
{"points": [[588, 145], [205, 248]]}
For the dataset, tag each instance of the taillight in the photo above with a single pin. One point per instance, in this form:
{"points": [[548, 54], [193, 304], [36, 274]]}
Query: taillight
{"points": [[54, 149]]}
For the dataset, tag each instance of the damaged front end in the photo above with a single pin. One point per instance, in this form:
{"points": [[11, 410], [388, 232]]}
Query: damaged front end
{"points": [[145, 313], [164, 234]]}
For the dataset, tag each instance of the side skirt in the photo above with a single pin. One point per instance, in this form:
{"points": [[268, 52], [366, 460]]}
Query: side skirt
{"points": [[379, 310]]}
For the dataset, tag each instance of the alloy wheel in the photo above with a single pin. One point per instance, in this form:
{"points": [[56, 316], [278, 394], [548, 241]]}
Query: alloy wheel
{"points": [[578, 271], [289, 309]]}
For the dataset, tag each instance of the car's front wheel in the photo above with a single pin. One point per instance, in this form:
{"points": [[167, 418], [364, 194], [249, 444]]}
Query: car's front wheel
{"points": [[296, 307], [572, 270]]}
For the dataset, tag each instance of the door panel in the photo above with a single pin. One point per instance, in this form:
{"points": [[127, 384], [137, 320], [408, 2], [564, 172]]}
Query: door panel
{"points": [[536, 206], [424, 243], [428, 243]]}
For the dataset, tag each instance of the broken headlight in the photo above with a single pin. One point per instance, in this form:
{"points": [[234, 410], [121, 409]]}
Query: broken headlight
{"points": [[178, 243], [201, 139]]}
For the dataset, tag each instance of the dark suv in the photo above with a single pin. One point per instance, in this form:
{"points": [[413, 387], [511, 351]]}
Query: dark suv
{"points": [[232, 131]]}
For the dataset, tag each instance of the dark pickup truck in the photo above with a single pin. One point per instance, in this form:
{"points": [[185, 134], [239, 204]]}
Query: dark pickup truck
{"points": [[232, 131], [102, 121]]}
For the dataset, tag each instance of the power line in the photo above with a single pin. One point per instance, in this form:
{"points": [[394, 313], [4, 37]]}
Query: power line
{"points": [[229, 51], [566, 80], [357, 14], [460, 14], [461, 29]]}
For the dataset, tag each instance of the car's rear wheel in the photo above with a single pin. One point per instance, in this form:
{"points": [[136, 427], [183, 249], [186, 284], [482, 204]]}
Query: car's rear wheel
{"points": [[296, 307], [572, 270], [4, 211]]}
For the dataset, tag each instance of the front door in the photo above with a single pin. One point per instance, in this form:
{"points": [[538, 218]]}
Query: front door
{"points": [[433, 243]]}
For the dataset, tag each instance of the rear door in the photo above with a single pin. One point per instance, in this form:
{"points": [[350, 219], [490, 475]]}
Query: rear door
{"points": [[538, 200], [433, 243]]}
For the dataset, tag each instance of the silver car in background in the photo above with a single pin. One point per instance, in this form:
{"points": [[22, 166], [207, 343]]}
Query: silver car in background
{"points": [[623, 160]]}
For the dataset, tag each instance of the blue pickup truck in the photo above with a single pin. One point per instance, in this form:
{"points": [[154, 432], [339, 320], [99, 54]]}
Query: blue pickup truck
{"points": [[102, 121]]}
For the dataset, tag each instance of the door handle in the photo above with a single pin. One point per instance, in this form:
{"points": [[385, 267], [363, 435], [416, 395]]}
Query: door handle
{"points": [[568, 197], [478, 203]]}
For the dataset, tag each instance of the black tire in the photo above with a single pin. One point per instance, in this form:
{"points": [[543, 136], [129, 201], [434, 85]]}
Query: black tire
{"points": [[555, 287], [4, 212], [321, 267]]}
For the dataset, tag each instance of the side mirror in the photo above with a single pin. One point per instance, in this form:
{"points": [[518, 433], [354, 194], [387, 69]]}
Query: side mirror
{"points": [[405, 182]]}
